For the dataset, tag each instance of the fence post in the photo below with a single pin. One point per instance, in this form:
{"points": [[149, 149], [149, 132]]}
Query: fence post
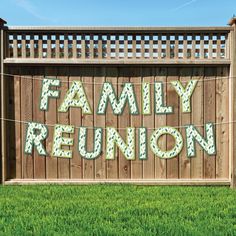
{"points": [[3, 99], [232, 23]]}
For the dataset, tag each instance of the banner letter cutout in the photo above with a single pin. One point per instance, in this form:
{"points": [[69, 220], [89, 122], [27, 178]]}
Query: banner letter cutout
{"points": [[159, 100], [82, 143], [185, 93], [142, 136], [46, 92], [117, 105], [113, 137], [75, 97], [59, 140], [208, 144], [170, 153], [146, 99], [35, 134]]}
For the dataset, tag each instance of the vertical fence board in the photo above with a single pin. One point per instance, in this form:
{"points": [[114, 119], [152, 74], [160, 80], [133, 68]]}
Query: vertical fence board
{"points": [[172, 120], [99, 121], [88, 121], [184, 118], [197, 162], [23, 47], [51, 118], [148, 121], [222, 130], [26, 115], [160, 120], [17, 116], [10, 164], [209, 116], [136, 121], [63, 118], [112, 121], [75, 119], [38, 116], [123, 122]]}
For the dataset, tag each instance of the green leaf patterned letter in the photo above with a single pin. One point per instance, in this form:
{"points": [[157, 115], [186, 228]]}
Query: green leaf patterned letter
{"points": [[46, 92], [208, 144], [35, 134]]}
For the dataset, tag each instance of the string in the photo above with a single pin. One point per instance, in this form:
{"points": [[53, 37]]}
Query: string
{"points": [[96, 83], [119, 128]]}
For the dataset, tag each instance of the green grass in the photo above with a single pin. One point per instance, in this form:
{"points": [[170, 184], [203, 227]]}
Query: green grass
{"points": [[117, 210]]}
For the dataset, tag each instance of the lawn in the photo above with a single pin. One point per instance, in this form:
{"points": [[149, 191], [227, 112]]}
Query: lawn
{"points": [[117, 210]]}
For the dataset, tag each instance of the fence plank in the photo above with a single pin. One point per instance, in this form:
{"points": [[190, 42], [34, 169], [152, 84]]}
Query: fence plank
{"points": [[123, 122], [197, 162], [209, 116], [40, 46], [136, 121], [38, 116], [51, 118], [76, 164], [160, 120], [49, 46], [18, 128], [148, 122], [66, 46], [74, 46], [23, 46], [99, 121], [63, 118], [112, 121], [184, 118], [10, 163], [88, 120], [172, 120], [26, 115], [222, 130]]}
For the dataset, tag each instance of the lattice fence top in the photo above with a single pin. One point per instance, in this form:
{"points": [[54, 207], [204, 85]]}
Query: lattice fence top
{"points": [[125, 43]]}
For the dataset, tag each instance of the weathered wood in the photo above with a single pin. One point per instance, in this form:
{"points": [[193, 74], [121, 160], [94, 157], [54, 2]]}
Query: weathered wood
{"points": [[112, 121], [197, 162], [63, 118], [71, 61], [3, 103], [160, 120], [138, 29], [76, 164], [136, 121], [51, 118], [26, 115], [38, 116], [91, 45], [222, 130], [99, 121], [123, 122], [184, 118], [233, 103], [88, 121], [148, 122], [172, 120], [195, 182], [17, 116], [209, 116]]}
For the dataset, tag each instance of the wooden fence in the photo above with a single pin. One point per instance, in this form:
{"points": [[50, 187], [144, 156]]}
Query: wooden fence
{"points": [[94, 55]]}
